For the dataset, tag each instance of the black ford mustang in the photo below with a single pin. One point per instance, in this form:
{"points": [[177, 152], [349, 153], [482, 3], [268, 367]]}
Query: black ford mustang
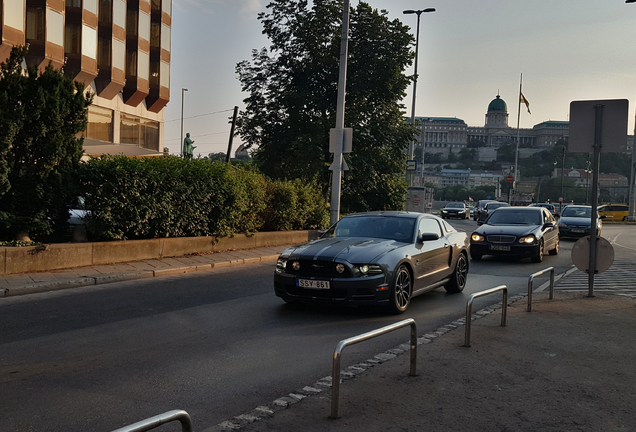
{"points": [[381, 258]]}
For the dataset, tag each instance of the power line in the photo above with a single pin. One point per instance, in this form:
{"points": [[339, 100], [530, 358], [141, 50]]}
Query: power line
{"points": [[200, 115]]}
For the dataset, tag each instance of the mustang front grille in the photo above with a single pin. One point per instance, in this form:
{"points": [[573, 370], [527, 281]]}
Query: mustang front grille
{"points": [[312, 268]]}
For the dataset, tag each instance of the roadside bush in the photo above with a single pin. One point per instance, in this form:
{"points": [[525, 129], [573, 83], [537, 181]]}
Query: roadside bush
{"points": [[293, 204], [168, 196]]}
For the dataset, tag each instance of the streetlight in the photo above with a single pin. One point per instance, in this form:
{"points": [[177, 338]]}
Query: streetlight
{"points": [[417, 41], [183, 90], [632, 189]]}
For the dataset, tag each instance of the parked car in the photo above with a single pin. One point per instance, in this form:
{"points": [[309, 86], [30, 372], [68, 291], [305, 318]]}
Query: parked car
{"points": [[480, 207], [455, 209], [516, 231], [551, 207], [576, 220], [471, 210], [615, 212], [489, 207], [377, 258]]}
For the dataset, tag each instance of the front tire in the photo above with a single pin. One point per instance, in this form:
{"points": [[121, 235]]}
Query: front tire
{"points": [[539, 256], [401, 290], [458, 279], [555, 251]]}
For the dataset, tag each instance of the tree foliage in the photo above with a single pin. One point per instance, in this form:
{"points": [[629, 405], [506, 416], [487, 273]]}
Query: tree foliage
{"points": [[292, 89], [41, 114]]}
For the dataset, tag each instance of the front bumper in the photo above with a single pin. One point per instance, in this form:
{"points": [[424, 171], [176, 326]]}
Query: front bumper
{"points": [[575, 232], [454, 214], [518, 250], [366, 290]]}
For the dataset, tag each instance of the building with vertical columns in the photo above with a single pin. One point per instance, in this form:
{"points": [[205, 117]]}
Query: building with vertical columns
{"points": [[118, 49]]}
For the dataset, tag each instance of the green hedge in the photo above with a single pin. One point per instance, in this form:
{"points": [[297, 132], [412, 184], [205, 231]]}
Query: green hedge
{"points": [[168, 196]]}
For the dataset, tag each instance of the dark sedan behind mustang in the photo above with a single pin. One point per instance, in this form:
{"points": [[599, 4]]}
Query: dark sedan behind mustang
{"points": [[516, 231], [377, 258]]}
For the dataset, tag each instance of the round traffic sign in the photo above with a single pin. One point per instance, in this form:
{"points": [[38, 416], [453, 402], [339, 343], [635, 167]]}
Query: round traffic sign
{"points": [[509, 179], [581, 254]]}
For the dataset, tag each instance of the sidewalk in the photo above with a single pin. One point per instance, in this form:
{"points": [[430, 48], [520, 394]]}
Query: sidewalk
{"points": [[27, 283], [566, 366]]}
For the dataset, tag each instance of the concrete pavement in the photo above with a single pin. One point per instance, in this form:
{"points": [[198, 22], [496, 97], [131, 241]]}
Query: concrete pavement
{"points": [[27, 283], [566, 366]]}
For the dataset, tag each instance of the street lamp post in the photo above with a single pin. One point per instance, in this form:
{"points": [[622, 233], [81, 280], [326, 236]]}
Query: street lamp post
{"points": [[562, 176], [632, 187], [417, 42], [183, 90]]}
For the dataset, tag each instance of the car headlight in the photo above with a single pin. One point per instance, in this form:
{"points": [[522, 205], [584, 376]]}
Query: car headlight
{"points": [[531, 239], [477, 237], [340, 268], [369, 269], [444, 211], [562, 225], [281, 264]]}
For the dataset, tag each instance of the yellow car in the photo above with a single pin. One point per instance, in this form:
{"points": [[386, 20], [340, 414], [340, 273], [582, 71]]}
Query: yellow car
{"points": [[614, 212]]}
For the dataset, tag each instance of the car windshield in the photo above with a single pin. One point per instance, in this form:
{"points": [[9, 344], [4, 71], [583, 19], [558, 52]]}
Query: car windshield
{"points": [[455, 205], [577, 212], [515, 217], [497, 205], [393, 228]]}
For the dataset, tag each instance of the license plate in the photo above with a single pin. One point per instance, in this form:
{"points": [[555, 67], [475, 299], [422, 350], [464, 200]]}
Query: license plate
{"points": [[312, 284], [578, 231], [500, 248]]}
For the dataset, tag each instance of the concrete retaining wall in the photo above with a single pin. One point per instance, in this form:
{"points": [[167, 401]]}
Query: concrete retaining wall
{"points": [[14, 260]]}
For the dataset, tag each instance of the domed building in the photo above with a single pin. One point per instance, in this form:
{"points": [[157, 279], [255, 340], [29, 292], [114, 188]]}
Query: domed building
{"points": [[444, 135], [497, 115]]}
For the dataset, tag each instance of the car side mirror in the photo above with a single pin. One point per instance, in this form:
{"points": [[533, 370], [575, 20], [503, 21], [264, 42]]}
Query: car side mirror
{"points": [[429, 237], [480, 223], [548, 225]]}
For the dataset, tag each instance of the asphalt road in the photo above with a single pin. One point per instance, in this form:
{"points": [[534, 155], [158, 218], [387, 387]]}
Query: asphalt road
{"points": [[216, 344]]}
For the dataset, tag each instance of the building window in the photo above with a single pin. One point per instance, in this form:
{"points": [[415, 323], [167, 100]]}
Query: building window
{"points": [[131, 63], [35, 23], [14, 15], [106, 11], [142, 132], [90, 6], [89, 42], [144, 26], [100, 124], [119, 13], [164, 75], [144, 65], [155, 35], [132, 23], [104, 52], [129, 129], [119, 54], [72, 44], [74, 3], [54, 27]]}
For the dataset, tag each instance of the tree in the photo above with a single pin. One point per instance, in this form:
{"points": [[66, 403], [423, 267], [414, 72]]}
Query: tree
{"points": [[41, 114], [292, 91]]}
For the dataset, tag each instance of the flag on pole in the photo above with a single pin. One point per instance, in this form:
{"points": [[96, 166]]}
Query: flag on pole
{"points": [[523, 99]]}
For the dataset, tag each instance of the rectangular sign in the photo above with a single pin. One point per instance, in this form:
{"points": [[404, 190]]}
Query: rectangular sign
{"points": [[411, 165], [613, 125]]}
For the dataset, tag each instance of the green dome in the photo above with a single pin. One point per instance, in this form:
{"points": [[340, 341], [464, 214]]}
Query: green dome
{"points": [[498, 104]]}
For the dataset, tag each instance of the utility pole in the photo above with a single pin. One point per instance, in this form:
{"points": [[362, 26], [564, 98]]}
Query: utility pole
{"points": [[337, 165]]}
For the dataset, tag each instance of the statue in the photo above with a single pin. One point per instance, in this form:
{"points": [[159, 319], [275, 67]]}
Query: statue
{"points": [[188, 148]]}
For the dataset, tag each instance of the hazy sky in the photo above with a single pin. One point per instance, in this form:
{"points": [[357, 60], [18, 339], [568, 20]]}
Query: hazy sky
{"points": [[469, 50]]}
